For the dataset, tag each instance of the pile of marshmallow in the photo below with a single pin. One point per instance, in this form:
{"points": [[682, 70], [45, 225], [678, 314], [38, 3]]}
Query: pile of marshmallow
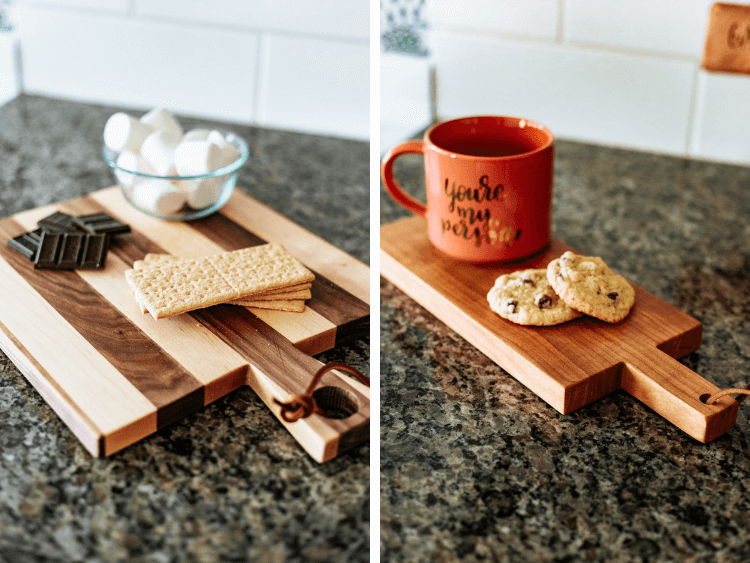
{"points": [[155, 144]]}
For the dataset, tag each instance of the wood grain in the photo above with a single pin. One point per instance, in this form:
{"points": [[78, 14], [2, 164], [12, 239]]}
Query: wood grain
{"points": [[115, 375], [568, 365]]}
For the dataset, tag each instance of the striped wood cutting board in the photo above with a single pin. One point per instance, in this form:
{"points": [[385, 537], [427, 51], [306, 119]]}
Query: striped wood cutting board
{"points": [[115, 375]]}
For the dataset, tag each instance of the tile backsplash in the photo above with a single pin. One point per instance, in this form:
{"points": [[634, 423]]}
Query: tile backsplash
{"points": [[291, 64], [617, 73]]}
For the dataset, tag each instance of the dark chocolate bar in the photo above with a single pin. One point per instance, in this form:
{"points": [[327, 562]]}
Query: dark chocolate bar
{"points": [[94, 251], [26, 243], [67, 251], [98, 223], [58, 222]]}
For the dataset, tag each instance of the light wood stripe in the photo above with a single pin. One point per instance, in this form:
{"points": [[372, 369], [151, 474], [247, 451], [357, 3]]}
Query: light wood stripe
{"points": [[92, 384], [77, 420]]}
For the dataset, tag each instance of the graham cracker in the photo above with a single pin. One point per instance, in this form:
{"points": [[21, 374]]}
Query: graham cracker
{"points": [[152, 259], [260, 268], [281, 295], [291, 305], [167, 287], [186, 286]]}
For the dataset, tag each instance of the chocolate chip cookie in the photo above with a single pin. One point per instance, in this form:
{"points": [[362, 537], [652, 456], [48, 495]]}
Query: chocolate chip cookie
{"points": [[525, 297], [587, 284]]}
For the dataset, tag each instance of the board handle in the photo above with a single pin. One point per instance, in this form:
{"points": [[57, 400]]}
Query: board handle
{"points": [[678, 393], [302, 406]]}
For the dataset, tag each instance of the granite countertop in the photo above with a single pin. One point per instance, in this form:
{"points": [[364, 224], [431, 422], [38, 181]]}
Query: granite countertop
{"points": [[227, 483], [475, 467]]}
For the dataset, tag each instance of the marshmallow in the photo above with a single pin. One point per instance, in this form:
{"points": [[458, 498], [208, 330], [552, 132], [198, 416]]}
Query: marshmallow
{"points": [[196, 135], [162, 120], [158, 149], [131, 161], [229, 152], [192, 158], [123, 132], [159, 196], [202, 193]]}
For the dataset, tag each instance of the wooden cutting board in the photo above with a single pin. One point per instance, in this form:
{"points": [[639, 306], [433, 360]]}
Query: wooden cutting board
{"points": [[115, 375], [568, 365]]}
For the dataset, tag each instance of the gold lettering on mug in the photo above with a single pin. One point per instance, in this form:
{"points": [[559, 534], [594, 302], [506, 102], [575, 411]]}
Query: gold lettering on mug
{"points": [[483, 193], [471, 223], [501, 234]]}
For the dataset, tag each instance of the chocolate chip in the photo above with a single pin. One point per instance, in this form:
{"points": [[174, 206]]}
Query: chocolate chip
{"points": [[511, 305], [612, 296], [529, 281], [544, 302]]}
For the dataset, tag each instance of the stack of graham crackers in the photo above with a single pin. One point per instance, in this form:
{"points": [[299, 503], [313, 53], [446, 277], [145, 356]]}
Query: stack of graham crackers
{"points": [[264, 276]]}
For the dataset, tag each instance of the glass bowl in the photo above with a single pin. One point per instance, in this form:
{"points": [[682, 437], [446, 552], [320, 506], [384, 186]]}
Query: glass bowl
{"points": [[221, 182]]}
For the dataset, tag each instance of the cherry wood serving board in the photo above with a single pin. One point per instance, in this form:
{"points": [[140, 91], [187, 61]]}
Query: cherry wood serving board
{"points": [[116, 375], [568, 365]]}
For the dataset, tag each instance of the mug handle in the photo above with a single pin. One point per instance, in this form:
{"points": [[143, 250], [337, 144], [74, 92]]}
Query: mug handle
{"points": [[386, 174]]}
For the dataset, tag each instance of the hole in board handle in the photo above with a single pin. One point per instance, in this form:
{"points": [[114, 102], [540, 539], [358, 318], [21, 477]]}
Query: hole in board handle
{"points": [[335, 402]]}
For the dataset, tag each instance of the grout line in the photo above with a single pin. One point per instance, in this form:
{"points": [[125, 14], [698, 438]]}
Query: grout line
{"points": [[18, 66], [433, 101], [695, 113], [561, 21], [261, 76]]}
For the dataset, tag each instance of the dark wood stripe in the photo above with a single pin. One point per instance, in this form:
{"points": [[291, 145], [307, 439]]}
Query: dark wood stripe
{"points": [[225, 232], [259, 343], [328, 299], [262, 346], [171, 389]]}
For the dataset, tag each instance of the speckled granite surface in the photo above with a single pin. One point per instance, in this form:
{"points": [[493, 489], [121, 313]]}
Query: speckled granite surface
{"points": [[227, 483], [475, 467]]}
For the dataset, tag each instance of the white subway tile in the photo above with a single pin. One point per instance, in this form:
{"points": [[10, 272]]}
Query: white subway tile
{"points": [[341, 18], [404, 89], [9, 84], [722, 117], [113, 6], [534, 18], [669, 26], [602, 97], [190, 69], [316, 85], [404, 96]]}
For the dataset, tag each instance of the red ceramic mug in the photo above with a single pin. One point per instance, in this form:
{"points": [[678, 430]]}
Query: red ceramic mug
{"points": [[489, 186]]}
